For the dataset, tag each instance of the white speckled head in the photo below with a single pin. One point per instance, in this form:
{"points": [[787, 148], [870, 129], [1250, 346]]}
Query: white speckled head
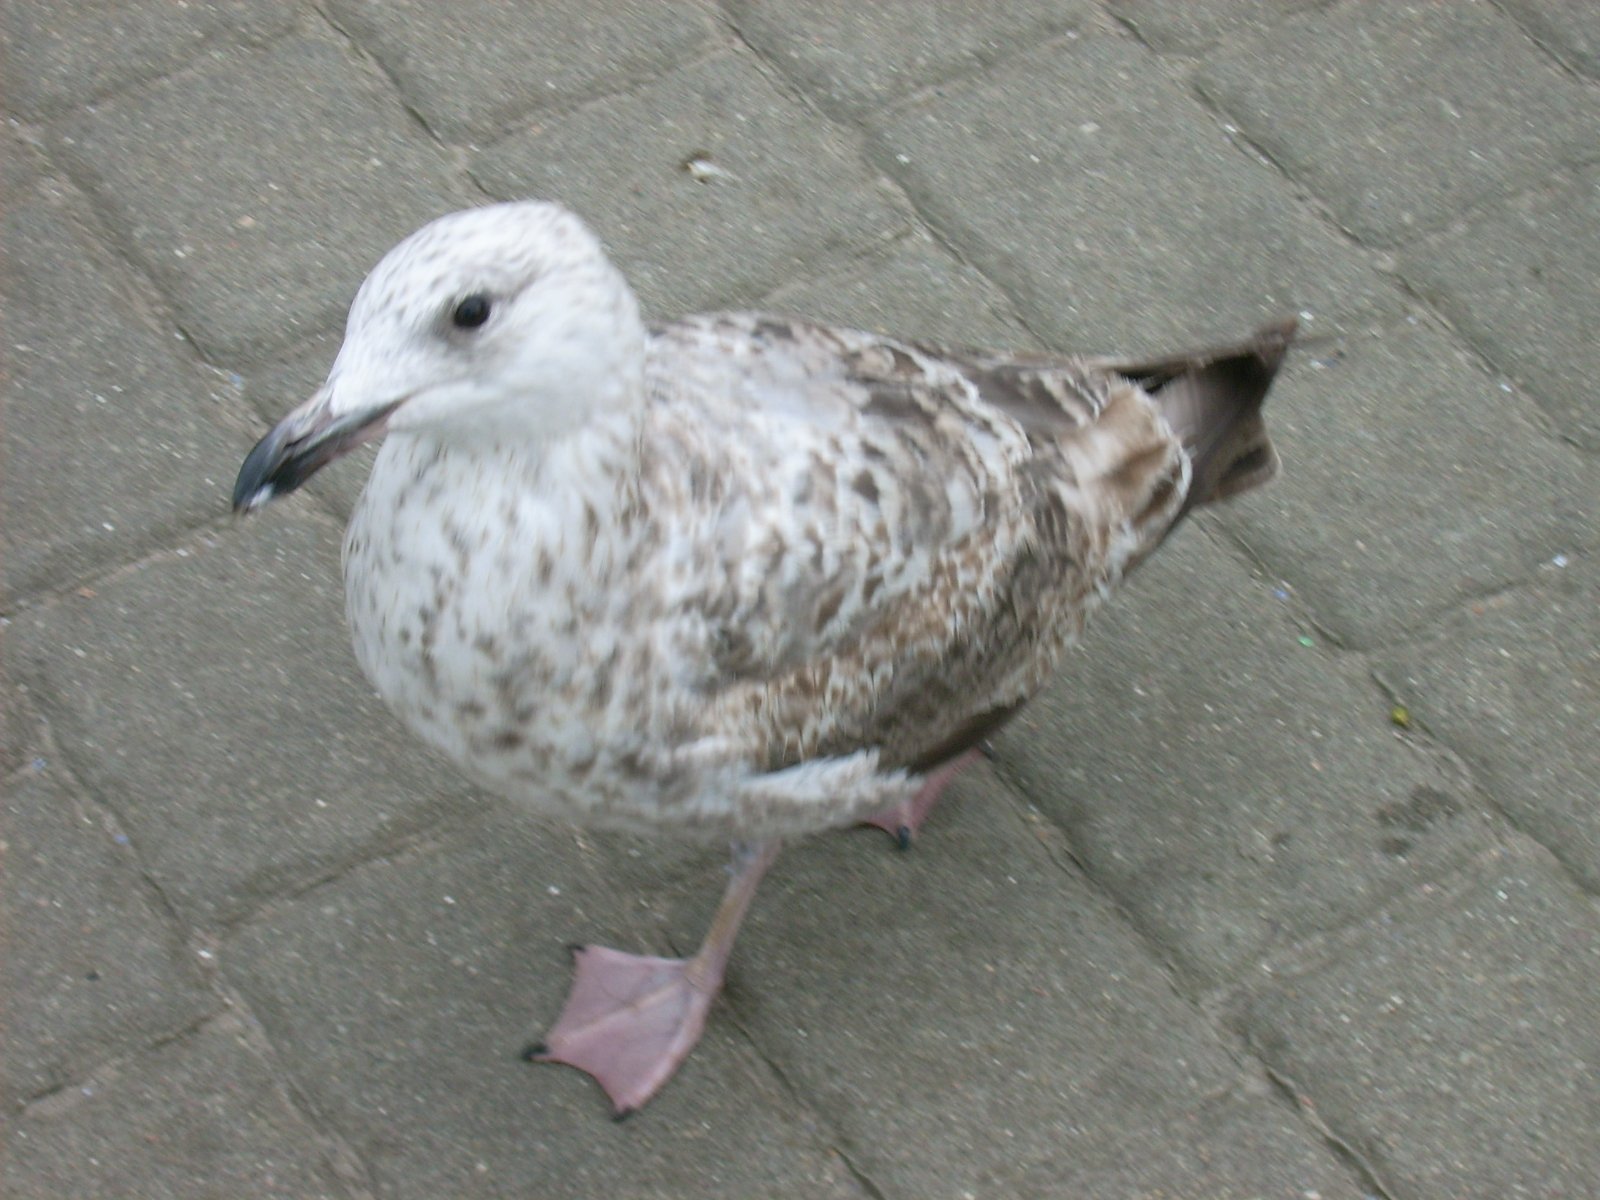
{"points": [[505, 321]]}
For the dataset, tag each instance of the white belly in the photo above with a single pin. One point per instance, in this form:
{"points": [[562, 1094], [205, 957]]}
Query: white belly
{"points": [[470, 619], [510, 623]]}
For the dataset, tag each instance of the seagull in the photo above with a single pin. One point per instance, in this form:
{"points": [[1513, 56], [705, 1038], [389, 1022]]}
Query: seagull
{"points": [[735, 576]]}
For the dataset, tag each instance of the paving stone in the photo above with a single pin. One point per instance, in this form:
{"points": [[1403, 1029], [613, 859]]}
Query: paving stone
{"points": [[93, 965], [1519, 284], [1400, 116], [1455, 1043], [212, 702], [854, 57], [301, 169], [793, 199], [1058, 180], [1411, 482], [114, 437], [981, 988], [1231, 787], [912, 289], [1239, 1146], [1512, 684], [200, 1116], [1567, 30], [1193, 25], [64, 53], [400, 994], [469, 68]]}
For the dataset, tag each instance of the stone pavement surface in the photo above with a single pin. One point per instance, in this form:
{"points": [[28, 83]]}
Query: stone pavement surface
{"points": [[1287, 888]]}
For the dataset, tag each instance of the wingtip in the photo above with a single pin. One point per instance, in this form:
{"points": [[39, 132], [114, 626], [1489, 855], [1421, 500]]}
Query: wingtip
{"points": [[1274, 339]]}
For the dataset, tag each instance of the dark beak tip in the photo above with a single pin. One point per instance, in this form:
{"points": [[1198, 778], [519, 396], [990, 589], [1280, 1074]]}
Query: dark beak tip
{"points": [[256, 473], [298, 447]]}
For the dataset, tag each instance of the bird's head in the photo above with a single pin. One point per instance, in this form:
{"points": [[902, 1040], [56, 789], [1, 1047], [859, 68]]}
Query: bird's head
{"points": [[495, 324]]}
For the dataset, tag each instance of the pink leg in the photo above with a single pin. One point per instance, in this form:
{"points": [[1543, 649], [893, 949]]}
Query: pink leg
{"points": [[903, 820], [630, 1020]]}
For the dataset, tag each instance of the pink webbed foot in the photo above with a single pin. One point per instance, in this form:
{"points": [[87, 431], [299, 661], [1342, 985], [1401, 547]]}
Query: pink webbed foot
{"points": [[629, 1021], [904, 820]]}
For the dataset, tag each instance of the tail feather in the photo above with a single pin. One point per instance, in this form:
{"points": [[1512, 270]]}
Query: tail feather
{"points": [[1212, 400]]}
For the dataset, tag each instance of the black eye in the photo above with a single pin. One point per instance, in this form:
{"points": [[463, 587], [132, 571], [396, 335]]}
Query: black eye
{"points": [[471, 312]]}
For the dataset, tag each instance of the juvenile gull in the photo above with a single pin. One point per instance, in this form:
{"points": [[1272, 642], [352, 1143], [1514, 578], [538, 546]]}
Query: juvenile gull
{"points": [[736, 575]]}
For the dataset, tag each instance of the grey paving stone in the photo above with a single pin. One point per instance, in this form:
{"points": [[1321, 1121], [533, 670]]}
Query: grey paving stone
{"points": [[854, 57], [1400, 116], [200, 1116], [1568, 30], [399, 997], [93, 966], [64, 53], [469, 68], [1231, 787], [1520, 285], [1411, 482], [913, 289], [794, 198], [113, 436], [1512, 684], [1239, 1145], [1454, 1043], [212, 702], [1193, 25], [300, 169], [977, 1020], [1113, 209]]}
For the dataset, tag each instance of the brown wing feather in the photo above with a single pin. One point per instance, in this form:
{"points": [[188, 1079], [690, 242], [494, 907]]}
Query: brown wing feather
{"points": [[1028, 485]]}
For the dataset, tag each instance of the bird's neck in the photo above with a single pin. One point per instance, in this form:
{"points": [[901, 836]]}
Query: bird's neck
{"points": [[586, 475]]}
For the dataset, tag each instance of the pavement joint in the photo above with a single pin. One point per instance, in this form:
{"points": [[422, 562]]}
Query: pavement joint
{"points": [[1505, 813], [1346, 1149], [1534, 412], [178, 545], [377, 66], [126, 847], [1555, 58], [346, 1162], [1232, 1042], [402, 848]]}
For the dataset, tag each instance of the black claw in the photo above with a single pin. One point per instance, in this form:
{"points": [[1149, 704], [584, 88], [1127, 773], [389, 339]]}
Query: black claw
{"points": [[534, 1051], [622, 1114], [576, 948], [902, 837], [986, 748]]}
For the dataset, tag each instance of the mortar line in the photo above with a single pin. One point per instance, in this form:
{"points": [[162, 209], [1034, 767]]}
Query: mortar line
{"points": [[1543, 49], [978, 64], [158, 550], [86, 1076], [1338, 1143], [345, 1162], [859, 136]]}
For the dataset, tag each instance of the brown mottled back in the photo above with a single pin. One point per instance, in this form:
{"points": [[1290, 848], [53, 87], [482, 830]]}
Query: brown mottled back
{"points": [[1021, 489]]}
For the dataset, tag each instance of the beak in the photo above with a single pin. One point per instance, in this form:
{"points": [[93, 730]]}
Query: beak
{"points": [[300, 445]]}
